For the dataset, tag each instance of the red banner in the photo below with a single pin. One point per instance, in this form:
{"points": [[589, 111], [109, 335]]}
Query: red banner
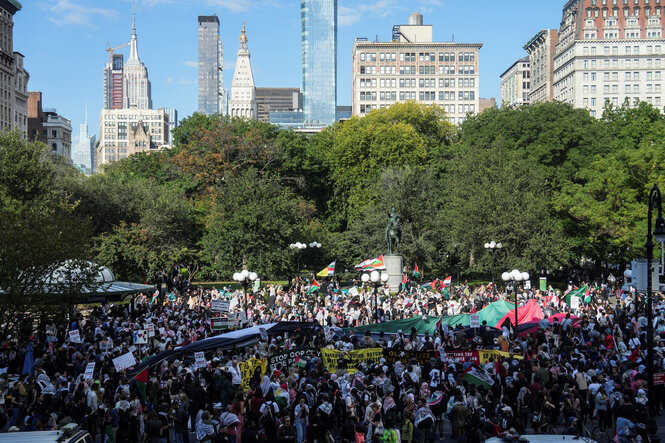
{"points": [[463, 356]]}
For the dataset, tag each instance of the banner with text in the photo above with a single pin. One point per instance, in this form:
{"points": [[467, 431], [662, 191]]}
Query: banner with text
{"points": [[247, 369], [352, 358], [287, 358], [392, 356]]}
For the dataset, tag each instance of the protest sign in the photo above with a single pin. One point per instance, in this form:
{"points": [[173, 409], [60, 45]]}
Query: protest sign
{"points": [[200, 359], [574, 302], [124, 361], [106, 345], [264, 334], [287, 358], [150, 328], [220, 305], [543, 284], [475, 320], [140, 337], [218, 324], [75, 336], [352, 359], [89, 371]]}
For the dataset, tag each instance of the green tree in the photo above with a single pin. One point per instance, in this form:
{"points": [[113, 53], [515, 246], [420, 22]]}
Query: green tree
{"points": [[253, 220], [39, 233], [360, 148]]}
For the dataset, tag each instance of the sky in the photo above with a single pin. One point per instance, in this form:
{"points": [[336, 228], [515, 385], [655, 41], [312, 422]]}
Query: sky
{"points": [[64, 42]]}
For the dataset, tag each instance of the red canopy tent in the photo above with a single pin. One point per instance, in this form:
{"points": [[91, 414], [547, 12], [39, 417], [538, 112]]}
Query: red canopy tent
{"points": [[525, 314]]}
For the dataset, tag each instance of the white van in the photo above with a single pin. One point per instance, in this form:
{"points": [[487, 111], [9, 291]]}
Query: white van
{"points": [[70, 433]]}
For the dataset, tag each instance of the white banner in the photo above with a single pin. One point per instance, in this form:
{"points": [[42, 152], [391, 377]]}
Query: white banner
{"points": [[75, 336], [200, 359], [89, 371]]}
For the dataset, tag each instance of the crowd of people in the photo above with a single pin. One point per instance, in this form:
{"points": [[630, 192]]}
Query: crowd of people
{"points": [[563, 377]]}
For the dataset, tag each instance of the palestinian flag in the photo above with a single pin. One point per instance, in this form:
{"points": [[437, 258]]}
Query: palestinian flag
{"points": [[315, 286], [632, 357], [404, 282], [439, 323], [479, 377], [446, 293], [581, 293], [155, 296], [587, 295], [141, 380], [447, 282], [416, 271], [431, 284], [437, 398], [329, 271]]}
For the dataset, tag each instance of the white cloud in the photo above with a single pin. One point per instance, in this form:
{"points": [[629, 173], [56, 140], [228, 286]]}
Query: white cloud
{"points": [[156, 2], [66, 12], [191, 64], [229, 65], [244, 5], [347, 16]]}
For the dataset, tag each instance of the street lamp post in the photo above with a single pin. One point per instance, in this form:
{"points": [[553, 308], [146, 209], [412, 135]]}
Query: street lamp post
{"points": [[244, 278], [377, 278], [655, 202], [493, 246], [514, 277]]}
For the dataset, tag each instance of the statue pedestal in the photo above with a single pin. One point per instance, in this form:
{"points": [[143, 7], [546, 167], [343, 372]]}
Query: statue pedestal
{"points": [[394, 266]]}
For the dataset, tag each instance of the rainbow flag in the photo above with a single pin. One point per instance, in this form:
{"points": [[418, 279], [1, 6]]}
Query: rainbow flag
{"points": [[328, 271]]}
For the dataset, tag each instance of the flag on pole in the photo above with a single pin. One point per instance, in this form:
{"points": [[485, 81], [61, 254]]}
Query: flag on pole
{"points": [[141, 380], [416, 271], [315, 286], [404, 282], [431, 284], [438, 324], [447, 282], [632, 357], [328, 271], [576, 292]]}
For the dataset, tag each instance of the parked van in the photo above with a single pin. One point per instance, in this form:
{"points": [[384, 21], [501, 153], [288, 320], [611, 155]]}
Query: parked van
{"points": [[70, 433]]}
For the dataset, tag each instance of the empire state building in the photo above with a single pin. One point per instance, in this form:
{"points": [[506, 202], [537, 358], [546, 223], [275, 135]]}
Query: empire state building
{"points": [[137, 94]]}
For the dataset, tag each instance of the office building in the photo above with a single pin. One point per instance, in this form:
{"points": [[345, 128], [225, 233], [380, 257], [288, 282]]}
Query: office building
{"points": [[319, 61], [243, 92], [47, 126], [610, 51], [136, 93], [13, 76], [83, 150], [412, 67], [541, 49], [277, 99], [212, 96], [516, 84], [123, 132], [113, 82], [172, 115], [486, 103]]}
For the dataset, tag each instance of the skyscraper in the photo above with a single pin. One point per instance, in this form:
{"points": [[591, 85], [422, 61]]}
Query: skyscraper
{"points": [[319, 61], [137, 92], [212, 96], [243, 93], [83, 150], [113, 82]]}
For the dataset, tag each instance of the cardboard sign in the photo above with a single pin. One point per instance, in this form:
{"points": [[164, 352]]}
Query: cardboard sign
{"points": [[475, 320], [132, 348], [150, 328], [140, 337], [75, 336], [218, 324], [106, 345], [89, 371], [200, 359], [659, 378], [220, 305], [527, 284], [574, 302], [264, 334], [124, 361]]}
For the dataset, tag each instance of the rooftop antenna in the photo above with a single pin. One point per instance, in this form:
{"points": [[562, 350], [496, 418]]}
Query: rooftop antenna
{"points": [[453, 38], [133, 16]]}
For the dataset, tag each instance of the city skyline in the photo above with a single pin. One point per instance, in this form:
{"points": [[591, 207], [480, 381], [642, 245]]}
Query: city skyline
{"points": [[81, 29]]}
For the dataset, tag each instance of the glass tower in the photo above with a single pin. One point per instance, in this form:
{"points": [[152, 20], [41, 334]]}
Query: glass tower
{"points": [[211, 74], [319, 61]]}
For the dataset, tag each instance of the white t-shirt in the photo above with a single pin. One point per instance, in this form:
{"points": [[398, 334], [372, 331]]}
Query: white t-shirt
{"points": [[435, 378]]}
